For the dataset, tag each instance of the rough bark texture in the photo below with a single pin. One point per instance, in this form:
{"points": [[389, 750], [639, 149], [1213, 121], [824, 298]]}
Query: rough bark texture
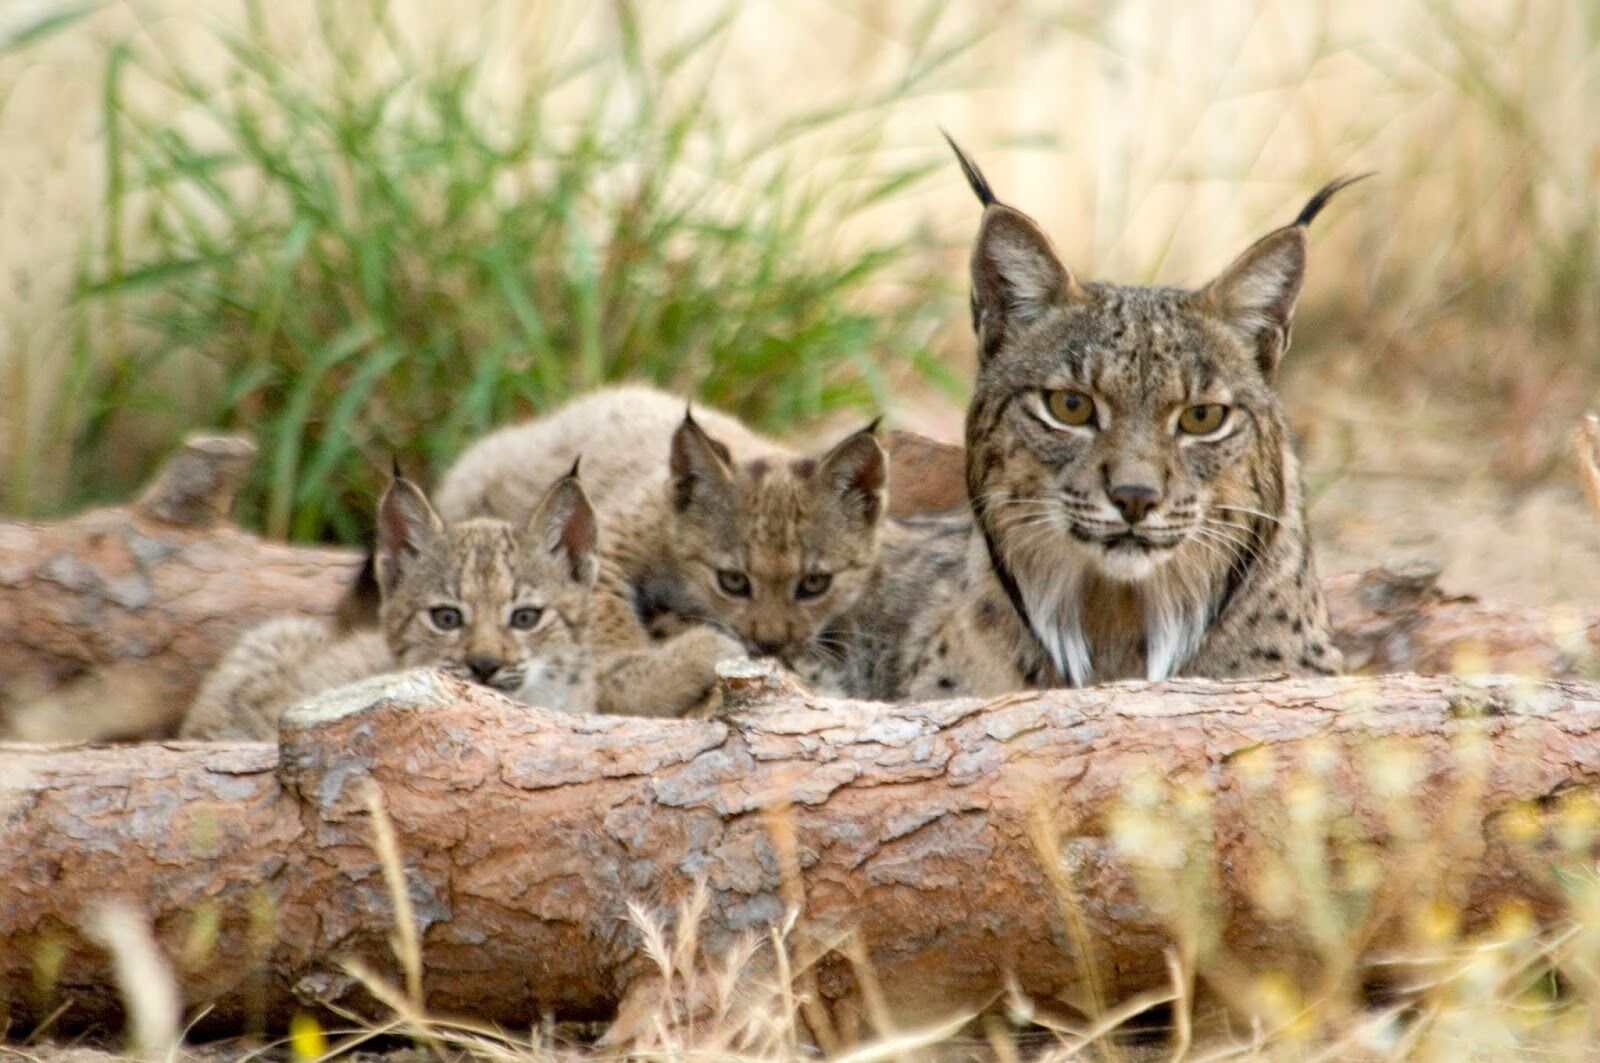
{"points": [[110, 619], [917, 828]]}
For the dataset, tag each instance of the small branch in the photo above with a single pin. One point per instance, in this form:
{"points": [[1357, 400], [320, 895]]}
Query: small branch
{"points": [[196, 486]]}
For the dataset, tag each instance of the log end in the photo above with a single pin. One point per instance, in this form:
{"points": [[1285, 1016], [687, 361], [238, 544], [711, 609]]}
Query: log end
{"points": [[196, 486]]}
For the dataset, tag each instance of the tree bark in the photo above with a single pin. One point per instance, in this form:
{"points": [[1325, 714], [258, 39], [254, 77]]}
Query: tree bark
{"points": [[109, 620], [958, 843]]}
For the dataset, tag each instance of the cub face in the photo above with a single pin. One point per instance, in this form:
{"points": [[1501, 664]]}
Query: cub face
{"points": [[771, 550], [497, 604]]}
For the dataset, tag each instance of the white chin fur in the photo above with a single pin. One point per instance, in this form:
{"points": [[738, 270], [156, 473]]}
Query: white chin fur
{"points": [[1128, 565], [1174, 625], [544, 686]]}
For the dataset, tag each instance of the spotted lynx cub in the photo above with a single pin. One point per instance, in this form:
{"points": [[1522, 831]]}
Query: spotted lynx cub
{"points": [[718, 542], [499, 604], [1136, 498]]}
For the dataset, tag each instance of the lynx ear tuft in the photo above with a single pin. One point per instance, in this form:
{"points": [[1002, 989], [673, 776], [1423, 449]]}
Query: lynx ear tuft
{"points": [[1257, 292], [701, 467], [1016, 274], [564, 523], [407, 526], [856, 472], [969, 169]]}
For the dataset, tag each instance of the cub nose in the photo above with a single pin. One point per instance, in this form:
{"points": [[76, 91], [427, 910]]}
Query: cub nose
{"points": [[770, 647], [484, 667], [1134, 501]]}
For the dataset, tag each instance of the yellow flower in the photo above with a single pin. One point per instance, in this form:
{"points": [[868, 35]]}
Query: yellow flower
{"points": [[306, 1039]]}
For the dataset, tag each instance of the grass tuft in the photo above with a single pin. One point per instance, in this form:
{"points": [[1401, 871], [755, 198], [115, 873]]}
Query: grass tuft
{"points": [[356, 242]]}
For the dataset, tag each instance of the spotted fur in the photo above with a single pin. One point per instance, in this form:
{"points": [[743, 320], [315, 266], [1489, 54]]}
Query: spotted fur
{"points": [[1124, 547], [504, 605], [719, 543]]}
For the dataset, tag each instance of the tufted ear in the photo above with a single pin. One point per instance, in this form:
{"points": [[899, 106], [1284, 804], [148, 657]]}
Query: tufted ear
{"points": [[856, 473], [407, 526], [1016, 273], [1256, 293], [702, 472], [564, 523]]}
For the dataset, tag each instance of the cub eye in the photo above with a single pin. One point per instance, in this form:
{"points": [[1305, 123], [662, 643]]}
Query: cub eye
{"points": [[445, 617], [1202, 419], [524, 617], [736, 584], [813, 585], [1072, 408]]}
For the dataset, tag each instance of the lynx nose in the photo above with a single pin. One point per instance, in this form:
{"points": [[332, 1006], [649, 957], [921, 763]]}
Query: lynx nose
{"points": [[1134, 501], [770, 647], [484, 667]]}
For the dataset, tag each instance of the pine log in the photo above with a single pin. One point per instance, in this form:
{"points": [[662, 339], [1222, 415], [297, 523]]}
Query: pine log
{"points": [[958, 844]]}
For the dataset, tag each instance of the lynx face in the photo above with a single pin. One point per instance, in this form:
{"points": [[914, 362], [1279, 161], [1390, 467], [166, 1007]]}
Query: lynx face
{"points": [[492, 603], [770, 551], [1133, 429], [1125, 446]]}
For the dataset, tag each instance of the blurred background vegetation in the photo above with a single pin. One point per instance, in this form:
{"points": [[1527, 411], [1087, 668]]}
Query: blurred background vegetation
{"points": [[363, 228]]}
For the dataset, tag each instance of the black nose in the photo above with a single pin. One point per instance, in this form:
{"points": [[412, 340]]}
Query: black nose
{"points": [[770, 647], [484, 667], [1134, 501]]}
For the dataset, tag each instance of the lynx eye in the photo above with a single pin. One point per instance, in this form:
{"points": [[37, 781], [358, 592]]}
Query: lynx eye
{"points": [[524, 617], [1203, 419], [1071, 408], [445, 617], [734, 584], [813, 585]]}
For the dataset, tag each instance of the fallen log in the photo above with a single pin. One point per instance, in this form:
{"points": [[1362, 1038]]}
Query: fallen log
{"points": [[956, 844], [109, 620]]}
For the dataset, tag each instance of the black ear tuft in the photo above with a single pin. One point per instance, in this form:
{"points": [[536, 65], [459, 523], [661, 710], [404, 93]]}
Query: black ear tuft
{"points": [[856, 472], [407, 526], [700, 466], [969, 169], [564, 523], [1314, 205]]}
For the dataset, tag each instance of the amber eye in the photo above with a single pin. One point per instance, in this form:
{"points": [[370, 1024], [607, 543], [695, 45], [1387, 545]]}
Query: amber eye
{"points": [[1069, 407], [445, 617], [734, 584], [1202, 419], [525, 617], [813, 585]]}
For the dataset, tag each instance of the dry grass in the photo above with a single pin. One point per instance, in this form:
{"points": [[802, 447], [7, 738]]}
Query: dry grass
{"points": [[1377, 962], [1153, 138]]}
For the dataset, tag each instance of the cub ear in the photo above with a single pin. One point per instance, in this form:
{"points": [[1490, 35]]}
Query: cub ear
{"points": [[701, 467], [1016, 274], [407, 526], [1256, 293], [856, 472], [564, 523]]}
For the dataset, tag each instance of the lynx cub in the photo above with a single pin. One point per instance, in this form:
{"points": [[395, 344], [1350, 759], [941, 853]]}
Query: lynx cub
{"points": [[1136, 497], [717, 541], [499, 604]]}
